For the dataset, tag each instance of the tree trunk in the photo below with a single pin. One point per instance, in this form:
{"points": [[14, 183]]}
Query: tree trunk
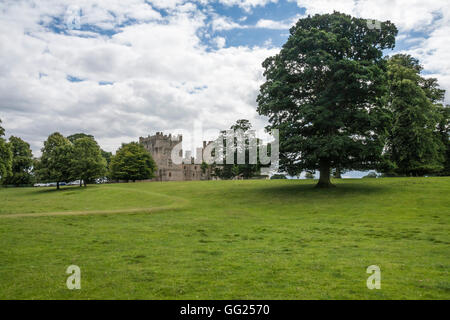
{"points": [[81, 182], [85, 184], [57, 185], [324, 180]]}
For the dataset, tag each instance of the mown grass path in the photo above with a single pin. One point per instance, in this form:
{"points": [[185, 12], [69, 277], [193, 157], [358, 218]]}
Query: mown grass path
{"points": [[175, 203]]}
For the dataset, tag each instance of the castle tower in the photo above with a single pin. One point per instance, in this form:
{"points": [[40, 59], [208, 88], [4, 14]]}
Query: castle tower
{"points": [[160, 146]]}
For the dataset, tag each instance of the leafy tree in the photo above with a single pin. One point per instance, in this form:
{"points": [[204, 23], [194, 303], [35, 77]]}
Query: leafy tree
{"points": [[87, 163], [22, 162], [324, 91], [247, 170], [413, 145], [106, 155], [5, 155], [132, 162], [55, 162]]}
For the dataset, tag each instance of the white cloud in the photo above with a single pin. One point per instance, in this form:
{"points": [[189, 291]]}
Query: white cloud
{"points": [[281, 25], [220, 42], [271, 24], [221, 23], [247, 5], [406, 14], [431, 18], [159, 74]]}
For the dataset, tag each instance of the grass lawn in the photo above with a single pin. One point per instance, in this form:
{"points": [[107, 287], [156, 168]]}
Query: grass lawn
{"points": [[279, 239]]}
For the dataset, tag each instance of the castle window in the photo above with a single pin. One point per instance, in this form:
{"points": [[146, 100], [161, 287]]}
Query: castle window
{"points": [[170, 174]]}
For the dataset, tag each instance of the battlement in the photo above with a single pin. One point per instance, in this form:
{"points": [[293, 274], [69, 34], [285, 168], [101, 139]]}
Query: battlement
{"points": [[161, 136]]}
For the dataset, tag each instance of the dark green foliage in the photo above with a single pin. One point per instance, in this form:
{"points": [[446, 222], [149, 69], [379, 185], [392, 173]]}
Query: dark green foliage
{"points": [[55, 162], [324, 91], [22, 163], [230, 171], [413, 148], [87, 162], [73, 137], [204, 167], [132, 162], [106, 155], [5, 155]]}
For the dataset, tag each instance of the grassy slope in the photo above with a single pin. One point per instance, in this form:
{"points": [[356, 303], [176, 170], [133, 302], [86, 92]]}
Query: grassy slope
{"points": [[230, 240]]}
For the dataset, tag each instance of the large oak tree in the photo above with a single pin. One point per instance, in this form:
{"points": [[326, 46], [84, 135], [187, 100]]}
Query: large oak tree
{"points": [[324, 91]]}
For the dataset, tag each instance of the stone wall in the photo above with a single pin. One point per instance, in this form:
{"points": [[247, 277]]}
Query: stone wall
{"points": [[160, 146]]}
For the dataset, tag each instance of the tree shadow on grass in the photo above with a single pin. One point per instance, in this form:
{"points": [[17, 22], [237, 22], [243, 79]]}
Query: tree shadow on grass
{"points": [[63, 189], [305, 190]]}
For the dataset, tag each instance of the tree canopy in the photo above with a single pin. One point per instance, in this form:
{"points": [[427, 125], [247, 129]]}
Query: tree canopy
{"points": [[245, 170], [413, 145], [324, 92], [87, 162], [55, 162], [22, 163], [132, 162]]}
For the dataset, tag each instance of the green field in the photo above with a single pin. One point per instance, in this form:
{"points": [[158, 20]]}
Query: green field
{"points": [[277, 239]]}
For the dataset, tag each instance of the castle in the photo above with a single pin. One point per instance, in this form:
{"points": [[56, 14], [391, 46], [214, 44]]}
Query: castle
{"points": [[160, 146]]}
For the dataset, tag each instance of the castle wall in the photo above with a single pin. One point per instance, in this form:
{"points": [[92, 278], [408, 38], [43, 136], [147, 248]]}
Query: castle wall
{"points": [[160, 146]]}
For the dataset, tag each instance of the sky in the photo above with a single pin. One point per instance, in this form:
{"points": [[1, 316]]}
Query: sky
{"points": [[123, 69]]}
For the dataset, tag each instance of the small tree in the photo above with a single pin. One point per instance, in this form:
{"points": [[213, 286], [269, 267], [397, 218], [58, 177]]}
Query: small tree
{"points": [[246, 170], [5, 155], [55, 162], [22, 162], [132, 162], [87, 162], [106, 155]]}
